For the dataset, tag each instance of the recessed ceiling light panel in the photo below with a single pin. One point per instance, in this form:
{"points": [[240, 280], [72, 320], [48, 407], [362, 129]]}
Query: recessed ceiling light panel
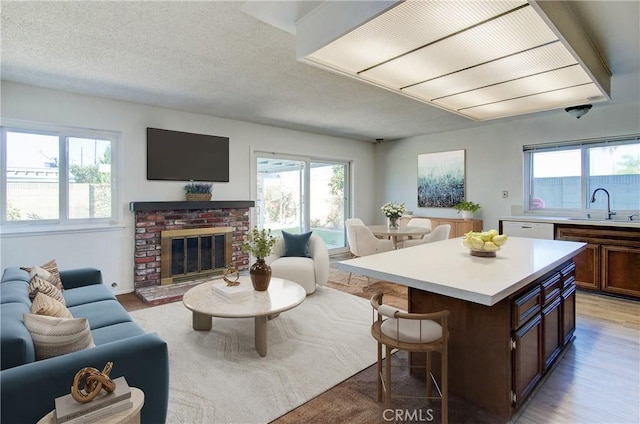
{"points": [[480, 59], [544, 59]]}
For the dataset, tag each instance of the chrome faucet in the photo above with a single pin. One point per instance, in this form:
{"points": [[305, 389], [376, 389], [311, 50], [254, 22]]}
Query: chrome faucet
{"points": [[635, 214], [593, 199]]}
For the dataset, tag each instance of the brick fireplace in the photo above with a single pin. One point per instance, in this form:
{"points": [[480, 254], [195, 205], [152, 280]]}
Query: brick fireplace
{"points": [[154, 218]]}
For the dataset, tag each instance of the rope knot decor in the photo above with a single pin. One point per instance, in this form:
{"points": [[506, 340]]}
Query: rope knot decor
{"points": [[231, 270], [88, 383]]}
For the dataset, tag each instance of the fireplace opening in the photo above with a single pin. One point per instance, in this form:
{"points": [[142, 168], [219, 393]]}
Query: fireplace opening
{"points": [[194, 253]]}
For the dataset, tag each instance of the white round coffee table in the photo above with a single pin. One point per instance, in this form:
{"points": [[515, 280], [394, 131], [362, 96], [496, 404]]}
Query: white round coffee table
{"points": [[281, 296]]}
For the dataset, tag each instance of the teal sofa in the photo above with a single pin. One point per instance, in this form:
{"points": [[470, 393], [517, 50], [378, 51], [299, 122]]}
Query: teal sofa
{"points": [[28, 387]]}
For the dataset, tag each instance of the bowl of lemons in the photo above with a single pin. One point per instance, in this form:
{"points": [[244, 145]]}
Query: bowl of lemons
{"points": [[484, 243]]}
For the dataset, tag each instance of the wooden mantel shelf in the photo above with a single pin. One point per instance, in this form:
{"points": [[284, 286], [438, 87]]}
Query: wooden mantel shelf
{"points": [[181, 205]]}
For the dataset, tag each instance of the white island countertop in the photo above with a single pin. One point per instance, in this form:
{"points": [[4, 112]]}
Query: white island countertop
{"points": [[447, 268]]}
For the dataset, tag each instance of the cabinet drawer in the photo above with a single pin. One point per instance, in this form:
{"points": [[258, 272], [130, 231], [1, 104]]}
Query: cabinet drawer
{"points": [[537, 230], [525, 307], [551, 288]]}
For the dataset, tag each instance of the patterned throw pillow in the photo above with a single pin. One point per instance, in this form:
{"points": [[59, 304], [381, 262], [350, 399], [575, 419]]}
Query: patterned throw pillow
{"points": [[58, 336], [38, 285], [51, 267], [45, 305]]}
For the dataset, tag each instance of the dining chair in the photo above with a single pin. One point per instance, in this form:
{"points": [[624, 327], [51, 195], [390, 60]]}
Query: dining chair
{"points": [[418, 222], [362, 242], [413, 332], [441, 232]]}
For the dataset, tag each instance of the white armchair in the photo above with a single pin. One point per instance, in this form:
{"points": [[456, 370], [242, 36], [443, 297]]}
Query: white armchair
{"points": [[305, 271]]}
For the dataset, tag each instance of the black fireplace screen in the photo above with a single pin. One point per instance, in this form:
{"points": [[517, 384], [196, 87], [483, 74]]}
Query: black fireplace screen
{"points": [[197, 254]]}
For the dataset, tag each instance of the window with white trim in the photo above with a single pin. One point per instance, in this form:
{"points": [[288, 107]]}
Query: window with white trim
{"points": [[564, 176], [58, 176]]}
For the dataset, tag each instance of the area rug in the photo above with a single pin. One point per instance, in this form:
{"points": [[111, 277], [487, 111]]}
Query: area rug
{"points": [[218, 377]]}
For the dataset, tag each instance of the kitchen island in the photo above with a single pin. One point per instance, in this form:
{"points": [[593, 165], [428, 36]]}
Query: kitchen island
{"points": [[511, 316]]}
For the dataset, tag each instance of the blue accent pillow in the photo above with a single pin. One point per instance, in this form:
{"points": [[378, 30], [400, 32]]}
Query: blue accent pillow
{"points": [[296, 245]]}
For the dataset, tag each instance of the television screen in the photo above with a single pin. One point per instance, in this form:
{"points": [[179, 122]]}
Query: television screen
{"points": [[181, 156]]}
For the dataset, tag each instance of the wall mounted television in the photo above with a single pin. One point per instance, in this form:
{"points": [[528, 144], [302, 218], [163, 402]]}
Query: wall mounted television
{"points": [[181, 156]]}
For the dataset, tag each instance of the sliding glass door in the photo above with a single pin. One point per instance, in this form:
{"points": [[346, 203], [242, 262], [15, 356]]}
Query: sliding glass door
{"points": [[298, 194]]}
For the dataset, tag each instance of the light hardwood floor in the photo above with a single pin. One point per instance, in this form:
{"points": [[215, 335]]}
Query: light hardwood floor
{"points": [[597, 380]]}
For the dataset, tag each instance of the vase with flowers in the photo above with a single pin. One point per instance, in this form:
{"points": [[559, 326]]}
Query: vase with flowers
{"points": [[393, 211], [259, 243]]}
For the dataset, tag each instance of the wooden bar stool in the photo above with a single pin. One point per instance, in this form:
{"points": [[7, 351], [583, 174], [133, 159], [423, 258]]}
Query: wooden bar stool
{"points": [[397, 329]]}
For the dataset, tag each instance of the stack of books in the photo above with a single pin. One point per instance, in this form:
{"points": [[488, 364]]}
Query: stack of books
{"points": [[241, 291], [70, 411]]}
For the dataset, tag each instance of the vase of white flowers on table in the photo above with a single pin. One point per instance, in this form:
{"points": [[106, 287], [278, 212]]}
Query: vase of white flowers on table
{"points": [[393, 211]]}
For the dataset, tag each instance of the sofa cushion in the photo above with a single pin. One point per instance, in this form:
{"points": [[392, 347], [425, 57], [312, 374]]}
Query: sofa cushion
{"points": [[57, 336], [52, 268], [45, 305], [14, 274], [296, 245], [115, 332], [39, 285], [102, 313], [87, 294], [15, 292], [17, 346]]}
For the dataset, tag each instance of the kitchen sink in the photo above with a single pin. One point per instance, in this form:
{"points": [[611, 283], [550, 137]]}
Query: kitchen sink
{"points": [[617, 219]]}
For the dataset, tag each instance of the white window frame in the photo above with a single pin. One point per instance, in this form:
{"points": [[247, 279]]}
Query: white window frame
{"points": [[306, 211], [62, 223], [582, 145]]}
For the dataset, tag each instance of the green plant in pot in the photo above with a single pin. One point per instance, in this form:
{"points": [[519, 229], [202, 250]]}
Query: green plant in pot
{"points": [[259, 243], [198, 191], [466, 208]]}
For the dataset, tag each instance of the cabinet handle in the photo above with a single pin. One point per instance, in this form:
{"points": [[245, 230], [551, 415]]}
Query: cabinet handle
{"points": [[526, 226]]}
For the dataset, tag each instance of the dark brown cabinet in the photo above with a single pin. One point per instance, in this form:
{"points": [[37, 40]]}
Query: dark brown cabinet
{"points": [[588, 267], [552, 341], [611, 262], [615, 259], [543, 322], [526, 359], [498, 354]]}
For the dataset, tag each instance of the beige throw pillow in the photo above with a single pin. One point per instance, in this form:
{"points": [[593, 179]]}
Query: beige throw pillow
{"points": [[45, 305], [58, 336], [52, 268], [38, 285], [40, 272]]}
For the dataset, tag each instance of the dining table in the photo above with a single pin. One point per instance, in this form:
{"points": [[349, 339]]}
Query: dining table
{"points": [[397, 234]]}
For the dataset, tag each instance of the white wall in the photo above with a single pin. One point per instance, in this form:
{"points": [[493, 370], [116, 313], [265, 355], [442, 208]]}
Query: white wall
{"points": [[493, 156], [112, 251]]}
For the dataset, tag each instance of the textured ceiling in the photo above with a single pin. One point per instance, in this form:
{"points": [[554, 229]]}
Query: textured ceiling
{"points": [[214, 59]]}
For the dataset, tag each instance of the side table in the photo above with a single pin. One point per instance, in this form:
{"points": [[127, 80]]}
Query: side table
{"points": [[129, 416]]}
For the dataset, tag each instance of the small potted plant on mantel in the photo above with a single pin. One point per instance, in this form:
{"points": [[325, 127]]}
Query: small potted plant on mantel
{"points": [[466, 208], [198, 192]]}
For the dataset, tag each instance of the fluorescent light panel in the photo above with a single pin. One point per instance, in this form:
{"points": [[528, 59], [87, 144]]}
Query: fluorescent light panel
{"points": [[543, 59], [480, 59]]}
